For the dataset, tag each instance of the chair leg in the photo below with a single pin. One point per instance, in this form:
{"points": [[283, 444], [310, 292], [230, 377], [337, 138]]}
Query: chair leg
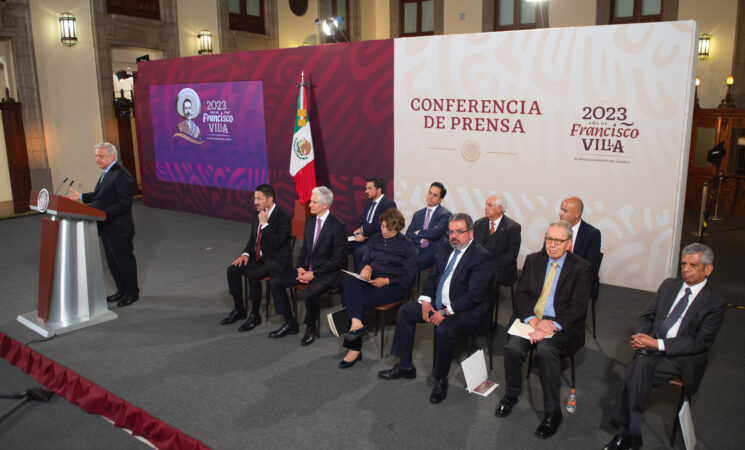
{"points": [[571, 362], [512, 300], [268, 299], [381, 325], [495, 307], [676, 423], [592, 308], [490, 337]]}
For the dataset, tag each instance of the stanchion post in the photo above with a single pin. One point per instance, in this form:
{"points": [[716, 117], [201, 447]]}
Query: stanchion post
{"points": [[700, 231], [716, 207]]}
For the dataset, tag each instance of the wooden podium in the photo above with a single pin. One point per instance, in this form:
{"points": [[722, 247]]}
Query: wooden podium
{"points": [[72, 294]]}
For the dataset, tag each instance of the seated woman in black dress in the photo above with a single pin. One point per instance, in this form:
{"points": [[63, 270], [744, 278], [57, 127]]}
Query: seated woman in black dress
{"points": [[389, 264]]}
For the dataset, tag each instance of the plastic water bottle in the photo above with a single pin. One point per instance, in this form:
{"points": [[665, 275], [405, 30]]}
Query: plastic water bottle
{"points": [[572, 401]]}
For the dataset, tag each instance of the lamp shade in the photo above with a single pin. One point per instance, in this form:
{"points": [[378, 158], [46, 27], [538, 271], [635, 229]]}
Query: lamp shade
{"points": [[205, 42], [703, 46], [67, 28]]}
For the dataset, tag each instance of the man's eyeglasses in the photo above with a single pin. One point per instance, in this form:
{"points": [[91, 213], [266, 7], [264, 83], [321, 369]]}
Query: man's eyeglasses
{"points": [[457, 232], [555, 241]]}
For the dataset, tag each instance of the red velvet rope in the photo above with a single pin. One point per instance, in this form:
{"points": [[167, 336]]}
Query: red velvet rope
{"points": [[94, 399]]}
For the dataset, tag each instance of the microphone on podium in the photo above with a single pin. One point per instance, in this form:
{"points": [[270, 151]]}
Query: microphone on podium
{"points": [[69, 186], [60, 185]]}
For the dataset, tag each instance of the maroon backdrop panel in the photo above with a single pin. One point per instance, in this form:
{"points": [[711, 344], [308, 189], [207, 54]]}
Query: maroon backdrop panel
{"points": [[350, 89]]}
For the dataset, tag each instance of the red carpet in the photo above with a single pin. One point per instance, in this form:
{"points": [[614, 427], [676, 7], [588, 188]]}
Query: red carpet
{"points": [[94, 399]]}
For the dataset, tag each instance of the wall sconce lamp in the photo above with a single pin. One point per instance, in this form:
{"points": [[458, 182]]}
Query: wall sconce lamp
{"points": [[205, 42], [727, 101], [703, 46], [68, 31]]}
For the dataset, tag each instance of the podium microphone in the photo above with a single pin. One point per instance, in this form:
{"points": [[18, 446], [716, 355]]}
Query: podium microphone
{"points": [[69, 186], [60, 185]]}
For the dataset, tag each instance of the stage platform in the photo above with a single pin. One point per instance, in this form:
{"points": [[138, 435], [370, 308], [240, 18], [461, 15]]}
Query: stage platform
{"points": [[168, 355]]}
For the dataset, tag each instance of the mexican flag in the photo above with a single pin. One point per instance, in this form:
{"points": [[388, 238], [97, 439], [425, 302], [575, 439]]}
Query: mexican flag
{"points": [[302, 166]]}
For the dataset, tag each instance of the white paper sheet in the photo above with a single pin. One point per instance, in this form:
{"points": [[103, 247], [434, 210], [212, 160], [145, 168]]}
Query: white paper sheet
{"points": [[474, 370]]}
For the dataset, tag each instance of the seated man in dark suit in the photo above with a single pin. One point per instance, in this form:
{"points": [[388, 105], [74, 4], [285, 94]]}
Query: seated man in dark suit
{"points": [[586, 242], [113, 195], [672, 341], [500, 235], [267, 253], [319, 264], [376, 203], [551, 297], [454, 300], [429, 226]]}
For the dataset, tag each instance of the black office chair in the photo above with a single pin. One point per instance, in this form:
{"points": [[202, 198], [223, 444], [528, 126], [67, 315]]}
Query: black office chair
{"points": [[593, 300], [266, 285]]}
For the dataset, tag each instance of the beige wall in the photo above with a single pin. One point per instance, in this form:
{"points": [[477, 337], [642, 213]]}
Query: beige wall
{"points": [[375, 16], [5, 193], [571, 13], [193, 17], [68, 92], [472, 12], [717, 18], [294, 30]]}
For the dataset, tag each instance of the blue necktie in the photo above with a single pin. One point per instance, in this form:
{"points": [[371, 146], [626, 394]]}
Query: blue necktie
{"points": [[370, 213], [445, 276], [674, 315]]}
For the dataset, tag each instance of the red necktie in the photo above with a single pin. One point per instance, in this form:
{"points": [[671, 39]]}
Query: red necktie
{"points": [[258, 244]]}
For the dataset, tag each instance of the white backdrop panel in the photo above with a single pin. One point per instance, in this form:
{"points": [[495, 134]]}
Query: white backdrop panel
{"points": [[602, 112]]}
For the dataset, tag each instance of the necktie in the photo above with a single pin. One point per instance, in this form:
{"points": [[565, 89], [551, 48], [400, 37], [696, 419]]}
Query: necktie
{"points": [[425, 244], [315, 239], [571, 244], [370, 213], [543, 299], [445, 276], [258, 244], [318, 231], [674, 315], [491, 227]]}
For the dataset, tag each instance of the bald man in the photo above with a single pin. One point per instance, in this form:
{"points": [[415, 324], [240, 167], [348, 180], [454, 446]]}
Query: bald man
{"points": [[586, 238]]}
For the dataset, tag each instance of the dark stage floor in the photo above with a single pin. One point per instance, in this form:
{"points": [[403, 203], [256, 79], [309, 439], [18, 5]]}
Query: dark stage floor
{"points": [[168, 355]]}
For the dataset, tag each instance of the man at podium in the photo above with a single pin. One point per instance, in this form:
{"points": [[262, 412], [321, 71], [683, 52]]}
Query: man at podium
{"points": [[113, 195]]}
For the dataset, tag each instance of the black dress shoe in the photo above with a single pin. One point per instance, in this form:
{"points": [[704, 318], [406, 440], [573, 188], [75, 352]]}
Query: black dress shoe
{"points": [[114, 298], [127, 300], [504, 408], [347, 364], [620, 442], [549, 425], [309, 337], [440, 391], [283, 331], [617, 443], [353, 335], [397, 372], [250, 323], [234, 316]]}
